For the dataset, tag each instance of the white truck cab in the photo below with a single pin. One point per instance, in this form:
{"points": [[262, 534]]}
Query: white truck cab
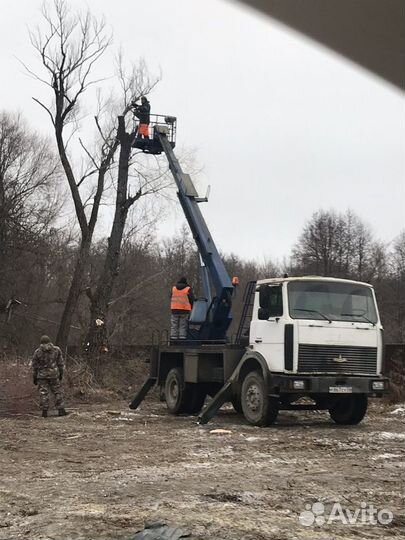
{"points": [[315, 338], [317, 325]]}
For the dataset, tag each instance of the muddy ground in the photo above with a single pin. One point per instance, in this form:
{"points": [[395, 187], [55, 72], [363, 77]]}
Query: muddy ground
{"points": [[103, 471]]}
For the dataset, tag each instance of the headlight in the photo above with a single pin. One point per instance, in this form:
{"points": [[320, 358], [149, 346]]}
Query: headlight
{"points": [[378, 385], [298, 385]]}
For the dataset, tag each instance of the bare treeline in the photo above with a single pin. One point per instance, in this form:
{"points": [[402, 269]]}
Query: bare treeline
{"points": [[341, 245], [38, 258]]}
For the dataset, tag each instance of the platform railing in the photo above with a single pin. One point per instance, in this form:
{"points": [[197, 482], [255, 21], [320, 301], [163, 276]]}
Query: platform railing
{"points": [[170, 122]]}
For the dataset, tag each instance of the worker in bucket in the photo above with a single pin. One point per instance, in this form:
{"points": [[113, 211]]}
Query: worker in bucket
{"points": [[48, 367], [142, 112], [182, 299]]}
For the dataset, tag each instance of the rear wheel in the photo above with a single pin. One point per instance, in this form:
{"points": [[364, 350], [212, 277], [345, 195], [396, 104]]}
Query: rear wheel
{"points": [[349, 410], [183, 397], [258, 407], [175, 391]]}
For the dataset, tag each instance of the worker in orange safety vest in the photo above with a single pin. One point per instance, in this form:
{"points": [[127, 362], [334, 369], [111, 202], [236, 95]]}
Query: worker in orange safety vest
{"points": [[142, 112], [182, 299]]}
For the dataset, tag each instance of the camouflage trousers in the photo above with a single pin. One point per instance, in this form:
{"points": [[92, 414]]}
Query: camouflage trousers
{"points": [[46, 386]]}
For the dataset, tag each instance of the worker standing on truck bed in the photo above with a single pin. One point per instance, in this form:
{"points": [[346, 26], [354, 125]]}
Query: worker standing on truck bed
{"points": [[48, 367], [182, 299], [142, 112]]}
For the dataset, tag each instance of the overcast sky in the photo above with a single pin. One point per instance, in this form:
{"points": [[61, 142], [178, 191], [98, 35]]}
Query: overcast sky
{"points": [[281, 126]]}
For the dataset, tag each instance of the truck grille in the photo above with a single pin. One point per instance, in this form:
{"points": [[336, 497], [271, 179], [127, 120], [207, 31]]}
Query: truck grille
{"points": [[337, 359]]}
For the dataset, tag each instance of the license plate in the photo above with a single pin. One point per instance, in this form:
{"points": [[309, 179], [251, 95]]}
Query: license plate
{"points": [[340, 389]]}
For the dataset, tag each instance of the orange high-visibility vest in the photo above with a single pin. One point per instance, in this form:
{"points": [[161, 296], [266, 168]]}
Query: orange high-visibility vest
{"points": [[180, 299]]}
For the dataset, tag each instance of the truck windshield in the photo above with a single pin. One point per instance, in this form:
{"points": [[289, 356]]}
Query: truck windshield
{"points": [[326, 300]]}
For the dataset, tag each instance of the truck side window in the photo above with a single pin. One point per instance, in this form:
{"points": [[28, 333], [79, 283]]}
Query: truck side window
{"points": [[271, 301], [276, 301]]}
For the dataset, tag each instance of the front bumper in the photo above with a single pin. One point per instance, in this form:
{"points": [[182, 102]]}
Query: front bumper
{"points": [[322, 384]]}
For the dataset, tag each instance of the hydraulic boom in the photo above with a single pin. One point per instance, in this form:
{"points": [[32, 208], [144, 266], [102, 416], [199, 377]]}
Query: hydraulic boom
{"points": [[217, 311]]}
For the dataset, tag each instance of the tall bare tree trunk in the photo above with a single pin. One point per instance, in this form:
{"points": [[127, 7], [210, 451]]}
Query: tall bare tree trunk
{"points": [[86, 228], [76, 288], [97, 334]]}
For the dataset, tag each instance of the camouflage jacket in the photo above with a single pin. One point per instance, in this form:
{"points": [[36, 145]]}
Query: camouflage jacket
{"points": [[47, 361]]}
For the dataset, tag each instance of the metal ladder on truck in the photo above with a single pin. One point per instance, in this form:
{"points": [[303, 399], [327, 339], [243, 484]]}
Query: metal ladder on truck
{"points": [[242, 335]]}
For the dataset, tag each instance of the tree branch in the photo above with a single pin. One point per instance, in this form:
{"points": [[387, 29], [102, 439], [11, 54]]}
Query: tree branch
{"points": [[47, 110]]}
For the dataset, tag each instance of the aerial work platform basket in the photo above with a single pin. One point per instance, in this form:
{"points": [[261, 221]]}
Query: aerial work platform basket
{"points": [[159, 123]]}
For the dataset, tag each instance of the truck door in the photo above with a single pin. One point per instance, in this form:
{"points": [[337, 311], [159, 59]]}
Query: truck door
{"points": [[267, 327]]}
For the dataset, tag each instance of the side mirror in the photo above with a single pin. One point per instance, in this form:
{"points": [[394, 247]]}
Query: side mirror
{"points": [[263, 314], [275, 311]]}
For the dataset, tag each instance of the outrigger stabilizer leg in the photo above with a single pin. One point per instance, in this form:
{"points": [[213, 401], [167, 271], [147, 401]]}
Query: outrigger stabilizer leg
{"points": [[224, 395], [140, 396]]}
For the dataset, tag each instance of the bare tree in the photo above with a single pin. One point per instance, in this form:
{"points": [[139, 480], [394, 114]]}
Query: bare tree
{"points": [[69, 48], [28, 174], [393, 290], [29, 204], [134, 83], [338, 245], [148, 183]]}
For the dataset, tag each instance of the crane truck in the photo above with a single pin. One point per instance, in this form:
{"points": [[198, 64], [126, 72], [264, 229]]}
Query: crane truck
{"points": [[303, 343]]}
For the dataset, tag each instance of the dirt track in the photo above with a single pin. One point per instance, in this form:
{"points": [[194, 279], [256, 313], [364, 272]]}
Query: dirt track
{"points": [[104, 470]]}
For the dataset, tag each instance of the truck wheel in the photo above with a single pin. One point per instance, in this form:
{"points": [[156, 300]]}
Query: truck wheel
{"points": [[175, 391], [258, 408], [349, 410]]}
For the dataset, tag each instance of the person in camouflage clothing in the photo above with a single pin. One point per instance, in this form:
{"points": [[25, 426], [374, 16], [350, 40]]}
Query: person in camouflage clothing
{"points": [[48, 367]]}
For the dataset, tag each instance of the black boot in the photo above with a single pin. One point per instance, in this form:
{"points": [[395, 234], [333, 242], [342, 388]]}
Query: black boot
{"points": [[62, 412], [44, 413]]}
